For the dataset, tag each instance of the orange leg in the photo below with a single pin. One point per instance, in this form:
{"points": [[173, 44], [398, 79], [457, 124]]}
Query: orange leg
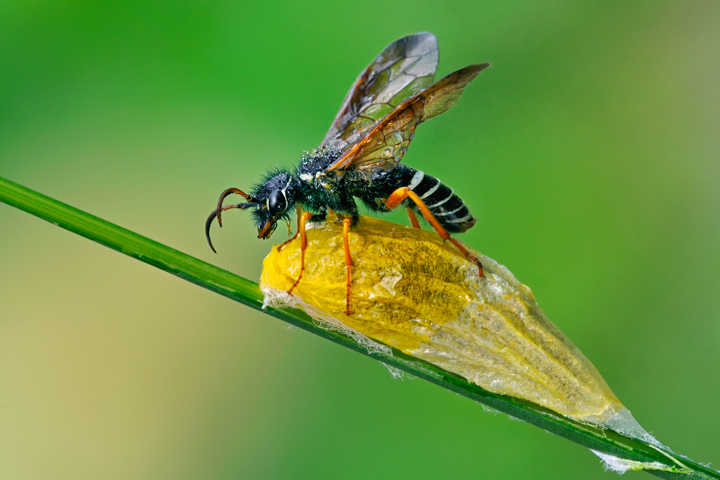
{"points": [[348, 262], [413, 218], [285, 243], [402, 193], [304, 217]]}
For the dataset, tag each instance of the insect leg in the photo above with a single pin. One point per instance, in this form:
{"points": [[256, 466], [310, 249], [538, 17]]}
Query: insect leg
{"points": [[413, 218], [285, 243], [304, 217], [347, 222], [404, 192], [297, 233]]}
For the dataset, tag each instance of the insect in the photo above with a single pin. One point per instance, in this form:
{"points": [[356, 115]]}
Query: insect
{"points": [[361, 153]]}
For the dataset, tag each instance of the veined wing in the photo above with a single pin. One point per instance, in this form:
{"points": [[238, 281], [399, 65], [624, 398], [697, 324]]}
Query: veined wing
{"points": [[403, 69], [384, 146]]}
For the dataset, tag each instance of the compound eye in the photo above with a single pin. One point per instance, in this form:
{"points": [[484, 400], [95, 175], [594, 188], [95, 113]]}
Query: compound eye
{"points": [[277, 203]]}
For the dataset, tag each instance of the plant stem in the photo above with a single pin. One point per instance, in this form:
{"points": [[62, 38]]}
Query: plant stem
{"points": [[248, 293]]}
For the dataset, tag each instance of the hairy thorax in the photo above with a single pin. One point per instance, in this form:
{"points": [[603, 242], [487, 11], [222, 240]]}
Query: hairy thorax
{"points": [[322, 189]]}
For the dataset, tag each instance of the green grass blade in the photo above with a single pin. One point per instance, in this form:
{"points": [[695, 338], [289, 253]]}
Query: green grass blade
{"points": [[248, 293]]}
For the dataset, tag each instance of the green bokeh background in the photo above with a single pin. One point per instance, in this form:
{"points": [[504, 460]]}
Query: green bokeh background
{"points": [[589, 151]]}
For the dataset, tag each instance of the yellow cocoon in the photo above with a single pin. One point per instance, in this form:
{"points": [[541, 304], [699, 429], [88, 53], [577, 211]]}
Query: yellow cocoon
{"points": [[412, 291]]}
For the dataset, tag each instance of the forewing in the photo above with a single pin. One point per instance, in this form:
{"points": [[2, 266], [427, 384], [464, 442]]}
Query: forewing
{"points": [[403, 69], [384, 146]]}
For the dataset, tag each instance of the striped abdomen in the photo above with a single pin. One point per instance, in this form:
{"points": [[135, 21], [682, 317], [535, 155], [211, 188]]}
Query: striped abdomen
{"points": [[449, 210]]}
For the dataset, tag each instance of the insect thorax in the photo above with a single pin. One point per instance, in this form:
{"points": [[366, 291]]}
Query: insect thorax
{"points": [[321, 189], [318, 160]]}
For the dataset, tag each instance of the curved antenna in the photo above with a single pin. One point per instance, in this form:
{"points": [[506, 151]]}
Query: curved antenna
{"points": [[227, 192], [216, 214]]}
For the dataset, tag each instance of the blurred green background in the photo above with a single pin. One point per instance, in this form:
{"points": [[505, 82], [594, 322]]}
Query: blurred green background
{"points": [[589, 152]]}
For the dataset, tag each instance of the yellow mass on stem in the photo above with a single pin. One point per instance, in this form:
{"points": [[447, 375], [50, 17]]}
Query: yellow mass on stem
{"points": [[412, 291]]}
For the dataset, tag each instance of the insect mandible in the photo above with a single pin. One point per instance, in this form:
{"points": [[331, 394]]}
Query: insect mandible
{"points": [[361, 153]]}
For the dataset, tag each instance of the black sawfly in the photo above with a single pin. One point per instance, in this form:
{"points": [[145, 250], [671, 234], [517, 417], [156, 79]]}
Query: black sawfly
{"points": [[361, 153]]}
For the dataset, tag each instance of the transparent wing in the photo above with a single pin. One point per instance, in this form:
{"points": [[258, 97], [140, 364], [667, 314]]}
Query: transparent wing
{"points": [[403, 69], [384, 145]]}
